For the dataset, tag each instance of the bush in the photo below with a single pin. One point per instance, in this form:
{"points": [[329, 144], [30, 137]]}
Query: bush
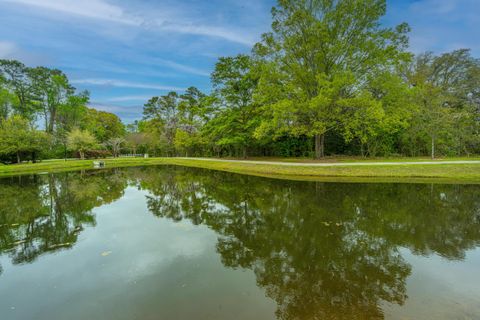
{"points": [[95, 154]]}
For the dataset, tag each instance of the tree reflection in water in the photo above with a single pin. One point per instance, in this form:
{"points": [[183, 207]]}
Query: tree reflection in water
{"points": [[320, 250], [45, 213]]}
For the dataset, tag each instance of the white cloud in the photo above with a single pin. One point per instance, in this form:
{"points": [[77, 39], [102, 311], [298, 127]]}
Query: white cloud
{"points": [[211, 31], [183, 68], [168, 21], [96, 9], [129, 98], [125, 84]]}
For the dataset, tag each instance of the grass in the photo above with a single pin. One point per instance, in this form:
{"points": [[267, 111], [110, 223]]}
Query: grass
{"points": [[448, 173], [340, 159]]}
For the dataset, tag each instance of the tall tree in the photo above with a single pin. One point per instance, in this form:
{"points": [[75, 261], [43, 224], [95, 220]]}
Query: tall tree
{"points": [[237, 114], [17, 77], [52, 90], [194, 111], [163, 112], [318, 53], [447, 93]]}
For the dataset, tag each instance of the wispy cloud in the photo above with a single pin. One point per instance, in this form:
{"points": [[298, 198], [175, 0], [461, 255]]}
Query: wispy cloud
{"points": [[183, 68], [125, 84], [96, 9], [129, 98], [102, 10], [210, 31]]}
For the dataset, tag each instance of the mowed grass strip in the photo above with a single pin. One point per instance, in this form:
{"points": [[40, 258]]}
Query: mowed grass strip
{"points": [[375, 173]]}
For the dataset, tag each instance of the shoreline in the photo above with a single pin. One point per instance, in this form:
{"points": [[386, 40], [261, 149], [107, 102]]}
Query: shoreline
{"points": [[440, 171]]}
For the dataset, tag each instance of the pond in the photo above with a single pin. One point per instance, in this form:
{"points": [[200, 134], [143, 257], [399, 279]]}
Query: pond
{"points": [[182, 243]]}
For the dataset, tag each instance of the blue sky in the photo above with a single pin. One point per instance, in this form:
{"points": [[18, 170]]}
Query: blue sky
{"points": [[125, 51]]}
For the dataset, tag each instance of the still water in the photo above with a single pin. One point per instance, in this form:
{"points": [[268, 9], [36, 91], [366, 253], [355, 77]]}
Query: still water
{"points": [[181, 243]]}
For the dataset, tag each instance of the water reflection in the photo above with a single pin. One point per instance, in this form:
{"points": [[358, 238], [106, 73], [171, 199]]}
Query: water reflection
{"points": [[40, 214], [320, 250]]}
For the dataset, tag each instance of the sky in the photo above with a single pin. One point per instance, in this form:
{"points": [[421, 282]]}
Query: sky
{"points": [[126, 51]]}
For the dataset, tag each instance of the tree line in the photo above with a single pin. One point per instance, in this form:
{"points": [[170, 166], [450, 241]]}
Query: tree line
{"points": [[327, 79], [42, 97]]}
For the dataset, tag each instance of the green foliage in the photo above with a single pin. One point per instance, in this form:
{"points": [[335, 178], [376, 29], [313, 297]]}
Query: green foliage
{"points": [[315, 61], [17, 137], [81, 141], [136, 140], [52, 90], [115, 145], [17, 78], [328, 78], [103, 125], [446, 93], [236, 115]]}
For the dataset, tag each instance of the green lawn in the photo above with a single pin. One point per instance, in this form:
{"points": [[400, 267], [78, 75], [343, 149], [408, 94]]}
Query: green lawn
{"points": [[461, 173], [337, 159]]}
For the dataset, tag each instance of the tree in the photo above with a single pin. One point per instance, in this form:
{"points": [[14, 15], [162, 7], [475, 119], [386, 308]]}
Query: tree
{"points": [[237, 114], [398, 106], [132, 127], [136, 139], [7, 100], [103, 125], [155, 140], [52, 91], [17, 136], [446, 93], [164, 112], [70, 115], [116, 145], [80, 141], [17, 77], [318, 56], [194, 111]]}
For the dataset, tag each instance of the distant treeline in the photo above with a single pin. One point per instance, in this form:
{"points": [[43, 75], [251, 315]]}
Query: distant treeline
{"points": [[33, 96], [328, 79]]}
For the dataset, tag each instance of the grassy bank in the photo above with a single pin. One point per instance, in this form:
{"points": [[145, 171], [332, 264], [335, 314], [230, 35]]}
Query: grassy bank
{"points": [[355, 159], [468, 173]]}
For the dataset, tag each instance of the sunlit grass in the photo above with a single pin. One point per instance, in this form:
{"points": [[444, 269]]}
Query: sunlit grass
{"points": [[405, 172]]}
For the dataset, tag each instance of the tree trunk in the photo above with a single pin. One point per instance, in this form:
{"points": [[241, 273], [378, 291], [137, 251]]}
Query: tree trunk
{"points": [[53, 117], [319, 146], [433, 147], [18, 157], [82, 156], [244, 152]]}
